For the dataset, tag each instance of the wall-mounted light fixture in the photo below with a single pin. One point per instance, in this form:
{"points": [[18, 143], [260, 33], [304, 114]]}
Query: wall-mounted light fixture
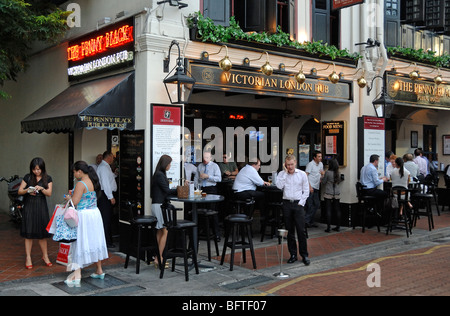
{"points": [[383, 105], [299, 76], [266, 69], [174, 3], [225, 63], [333, 77], [179, 79]]}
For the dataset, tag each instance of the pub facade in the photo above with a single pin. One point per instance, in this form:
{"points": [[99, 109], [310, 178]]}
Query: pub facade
{"points": [[103, 88]]}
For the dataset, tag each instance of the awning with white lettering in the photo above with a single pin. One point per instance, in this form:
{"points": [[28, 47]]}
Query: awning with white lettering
{"points": [[106, 103]]}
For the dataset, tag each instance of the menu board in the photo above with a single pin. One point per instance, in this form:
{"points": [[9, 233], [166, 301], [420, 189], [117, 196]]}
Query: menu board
{"points": [[131, 171], [166, 139], [334, 141]]}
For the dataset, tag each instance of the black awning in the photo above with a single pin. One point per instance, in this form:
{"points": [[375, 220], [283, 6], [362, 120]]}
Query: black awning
{"points": [[106, 103]]}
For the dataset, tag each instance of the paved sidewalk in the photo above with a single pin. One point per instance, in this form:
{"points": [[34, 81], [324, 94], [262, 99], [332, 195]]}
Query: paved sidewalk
{"points": [[338, 267]]}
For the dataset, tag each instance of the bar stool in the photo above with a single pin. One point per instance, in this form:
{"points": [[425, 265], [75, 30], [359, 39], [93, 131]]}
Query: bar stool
{"points": [[137, 226], [417, 200], [174, 248], [367, 202], [206, 216], [395, 217], [275, 209], [235, 224]]}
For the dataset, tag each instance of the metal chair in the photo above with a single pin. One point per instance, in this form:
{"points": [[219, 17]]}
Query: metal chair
{"points": [[367, 203]]}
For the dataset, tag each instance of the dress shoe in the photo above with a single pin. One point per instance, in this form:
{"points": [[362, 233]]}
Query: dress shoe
{"points": [[48, 264], [306, 261], [292, 259]]}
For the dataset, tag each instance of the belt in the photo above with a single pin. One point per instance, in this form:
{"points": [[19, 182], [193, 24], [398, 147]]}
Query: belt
{"points": [[291, 201]]}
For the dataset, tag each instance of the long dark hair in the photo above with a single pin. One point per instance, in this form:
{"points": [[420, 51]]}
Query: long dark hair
{"points": [[163, 162], [41, 164], [333, 165], [399, 163], [83, 166]]}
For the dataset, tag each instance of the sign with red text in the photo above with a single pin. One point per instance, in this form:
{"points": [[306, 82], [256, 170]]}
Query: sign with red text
{"points": [[166, 139], [340, 4], [109, 48]]}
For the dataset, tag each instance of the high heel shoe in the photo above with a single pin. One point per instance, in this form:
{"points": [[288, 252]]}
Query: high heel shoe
{"points": [[48, 264], [97, 276], [29, 267], [73, 283]]}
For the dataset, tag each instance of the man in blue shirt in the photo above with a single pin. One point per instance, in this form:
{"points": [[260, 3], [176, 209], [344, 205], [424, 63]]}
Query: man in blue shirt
{"points": [[246, 182], [370, 180]]}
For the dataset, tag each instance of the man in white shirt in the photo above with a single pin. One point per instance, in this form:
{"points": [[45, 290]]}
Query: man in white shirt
{"points": [[421, 163], [295, 186], [314, 171], [246, 182], [106, 198], [208, 174]]}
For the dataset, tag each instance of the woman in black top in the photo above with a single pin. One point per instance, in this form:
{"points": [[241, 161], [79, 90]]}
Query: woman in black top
{"points": [[35, 210], [159, 192]]}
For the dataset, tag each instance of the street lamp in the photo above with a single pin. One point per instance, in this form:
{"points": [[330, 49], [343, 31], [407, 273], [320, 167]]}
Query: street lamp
{"points": [[179, 79], [383, 105]]}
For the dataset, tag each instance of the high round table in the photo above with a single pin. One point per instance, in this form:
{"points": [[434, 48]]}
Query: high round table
{"points": [[210, 198]]}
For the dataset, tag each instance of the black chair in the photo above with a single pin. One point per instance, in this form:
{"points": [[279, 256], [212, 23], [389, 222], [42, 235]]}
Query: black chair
{"points": [[138, 226], [396, 219], [368, 205], [176, 244], [419, 199], [430, 183], [239, 224], [207, 217]]}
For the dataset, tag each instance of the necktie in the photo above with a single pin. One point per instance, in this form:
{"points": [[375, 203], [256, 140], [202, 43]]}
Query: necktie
{"points": [[206, 171]]}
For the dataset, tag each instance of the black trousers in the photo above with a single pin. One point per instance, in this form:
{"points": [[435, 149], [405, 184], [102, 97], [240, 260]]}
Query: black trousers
{"points": [[335, 205], [294, 220], [258, 196], [380, 196], [105, 207]]}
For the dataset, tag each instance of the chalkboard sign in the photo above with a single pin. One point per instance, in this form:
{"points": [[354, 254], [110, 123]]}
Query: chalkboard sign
{"points": [[131, 171], [334, 145]]}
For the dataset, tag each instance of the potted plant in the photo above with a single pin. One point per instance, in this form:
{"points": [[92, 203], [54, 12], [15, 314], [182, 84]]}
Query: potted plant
{"points": [[192, 24]]}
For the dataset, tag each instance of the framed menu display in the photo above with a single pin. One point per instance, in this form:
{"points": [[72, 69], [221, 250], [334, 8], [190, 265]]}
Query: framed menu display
{"points": [[371, 140], [334, 141]]}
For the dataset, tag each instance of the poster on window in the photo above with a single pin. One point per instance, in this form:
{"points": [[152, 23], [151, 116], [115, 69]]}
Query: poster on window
{"points": [[166, 139]]}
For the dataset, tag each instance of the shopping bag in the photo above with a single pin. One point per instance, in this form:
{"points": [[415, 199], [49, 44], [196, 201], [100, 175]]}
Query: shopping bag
{"points": [[71, 214], [51, 227], [63, 231], [64, 254]]}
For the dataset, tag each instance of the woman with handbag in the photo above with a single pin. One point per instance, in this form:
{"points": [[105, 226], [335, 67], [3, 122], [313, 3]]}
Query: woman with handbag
{"points": [[159, 192], [331, 180], [36, 186], [90, 246]]}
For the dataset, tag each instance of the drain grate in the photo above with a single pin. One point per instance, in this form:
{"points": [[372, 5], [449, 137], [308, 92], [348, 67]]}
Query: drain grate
{"points": [[247, 282], [89, 285]]}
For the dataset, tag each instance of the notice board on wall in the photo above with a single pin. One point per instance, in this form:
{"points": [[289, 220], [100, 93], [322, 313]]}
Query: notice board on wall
{"points": [[166, 139], [371, 140], [334, 144]]}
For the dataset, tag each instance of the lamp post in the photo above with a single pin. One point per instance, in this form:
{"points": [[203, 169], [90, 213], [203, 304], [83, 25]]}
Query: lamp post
{"points": [[179, 79]]}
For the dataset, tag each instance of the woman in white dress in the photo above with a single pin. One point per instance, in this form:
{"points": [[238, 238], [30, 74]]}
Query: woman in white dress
{"points": [[90, 246]]}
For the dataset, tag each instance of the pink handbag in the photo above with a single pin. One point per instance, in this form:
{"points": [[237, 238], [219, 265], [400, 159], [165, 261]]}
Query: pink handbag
{"points": [[71, 215]]}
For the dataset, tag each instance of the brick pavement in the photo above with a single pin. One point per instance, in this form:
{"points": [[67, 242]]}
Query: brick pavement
{"points": [[418, 272], [12, 255]]}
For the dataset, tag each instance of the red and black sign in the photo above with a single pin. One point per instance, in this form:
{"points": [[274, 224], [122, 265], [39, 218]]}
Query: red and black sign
{"points": [[340, 4]]}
